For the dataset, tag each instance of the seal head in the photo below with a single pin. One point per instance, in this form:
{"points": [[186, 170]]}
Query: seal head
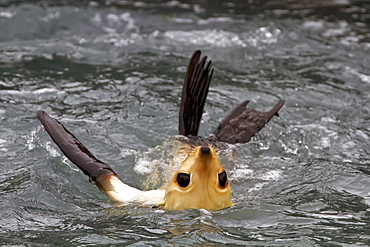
{"points": [[200, 182]]}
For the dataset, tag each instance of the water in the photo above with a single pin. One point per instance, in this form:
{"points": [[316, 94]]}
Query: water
{"points": [[112, 72]]}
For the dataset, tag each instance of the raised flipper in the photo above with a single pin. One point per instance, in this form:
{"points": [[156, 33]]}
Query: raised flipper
{"points": [[99, 172], [194, 94], [74, 149], [243, 123], [238, 127]]}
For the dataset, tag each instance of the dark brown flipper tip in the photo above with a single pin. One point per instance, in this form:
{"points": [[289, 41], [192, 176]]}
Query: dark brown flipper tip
{"points": [[194, 94], [73, 148], [243, 123]]}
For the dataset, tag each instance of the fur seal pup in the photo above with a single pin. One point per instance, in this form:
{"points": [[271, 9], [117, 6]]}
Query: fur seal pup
{"points": [[201, 181]]}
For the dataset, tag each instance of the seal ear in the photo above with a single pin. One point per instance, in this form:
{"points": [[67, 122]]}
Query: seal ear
{"points": [[194, 93], [243, 123]]}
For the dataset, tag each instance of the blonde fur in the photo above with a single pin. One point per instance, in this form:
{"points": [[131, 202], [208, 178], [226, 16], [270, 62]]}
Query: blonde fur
{"points": [[203, 191]]}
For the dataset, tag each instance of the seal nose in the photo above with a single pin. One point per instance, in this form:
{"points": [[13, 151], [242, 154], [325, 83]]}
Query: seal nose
{"points": [[205, 150]]}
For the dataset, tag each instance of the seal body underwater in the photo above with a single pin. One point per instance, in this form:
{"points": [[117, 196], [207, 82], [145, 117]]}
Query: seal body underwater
{"points": [[200, 182]]}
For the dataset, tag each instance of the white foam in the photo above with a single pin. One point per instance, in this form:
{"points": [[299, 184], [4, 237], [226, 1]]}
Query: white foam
{"points": [[206, 37], [240, 174], [182, 20], [363, 77], [52, 151], [215, 19], [7, 14], [67, 162], [45, 90], [313, 25], [272, 175], [221, 38], [27, 92], [143, 166], [30, 139], [2, 144]]}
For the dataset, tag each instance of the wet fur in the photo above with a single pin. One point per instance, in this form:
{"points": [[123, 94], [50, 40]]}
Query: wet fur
{"points": [[204, 190]]}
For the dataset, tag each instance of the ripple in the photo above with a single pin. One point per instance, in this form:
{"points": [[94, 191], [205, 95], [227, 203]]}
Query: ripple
{"points": [[112, 73], [217, 38]]}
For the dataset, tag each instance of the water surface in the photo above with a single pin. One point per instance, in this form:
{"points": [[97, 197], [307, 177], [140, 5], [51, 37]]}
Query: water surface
{"points": [[112, 72]]}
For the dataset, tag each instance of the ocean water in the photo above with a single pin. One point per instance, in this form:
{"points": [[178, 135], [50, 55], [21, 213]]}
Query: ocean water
{"points": [[112, 73]]}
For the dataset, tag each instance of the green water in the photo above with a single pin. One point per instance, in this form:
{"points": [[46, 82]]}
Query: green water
{"points": [[112, 72]]}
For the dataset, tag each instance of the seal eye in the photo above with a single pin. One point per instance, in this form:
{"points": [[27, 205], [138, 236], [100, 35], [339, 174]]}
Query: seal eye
{"points": [[222, 178], [183, 179]]}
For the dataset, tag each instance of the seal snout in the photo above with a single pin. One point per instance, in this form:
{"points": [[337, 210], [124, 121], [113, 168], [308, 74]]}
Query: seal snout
{"points": [[205, 150]]}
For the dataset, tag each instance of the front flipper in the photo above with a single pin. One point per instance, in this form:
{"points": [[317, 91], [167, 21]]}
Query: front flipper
{"points": [[243, 123], [194, 94], [99, 172]]}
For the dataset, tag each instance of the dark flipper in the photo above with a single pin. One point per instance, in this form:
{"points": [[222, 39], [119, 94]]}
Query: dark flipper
{"points": [[103, 176], [243, 123], [73, 148], [194, 94]]}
